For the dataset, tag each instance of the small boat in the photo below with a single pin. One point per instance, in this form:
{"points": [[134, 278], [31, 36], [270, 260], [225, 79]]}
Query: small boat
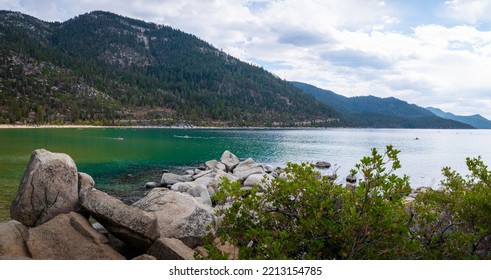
{"points": [[119, 138]]}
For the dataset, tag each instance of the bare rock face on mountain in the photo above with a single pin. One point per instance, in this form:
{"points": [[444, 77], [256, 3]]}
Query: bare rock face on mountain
{"points": [[69, 237], [179, 215], [49, 187]]}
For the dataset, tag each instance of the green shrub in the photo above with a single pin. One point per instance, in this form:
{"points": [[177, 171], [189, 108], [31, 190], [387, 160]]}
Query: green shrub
{"points": [[308, 216]]}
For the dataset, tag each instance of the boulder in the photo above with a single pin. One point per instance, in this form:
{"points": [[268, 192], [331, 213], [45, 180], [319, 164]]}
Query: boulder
{"points": [[322, 164], [179, 214], [85, 184], [171, 178], [13, 236], [351, 179], [215, 165], [207, 173], [144, 257], [229, 160], [262, 180], [201, 194], [269, 168], [151, 185], [207, 182], [182, 186], [170, 249], [221, 174], [190, 172], [247, 168], [49, 187], [69, 237], [132, 225]]}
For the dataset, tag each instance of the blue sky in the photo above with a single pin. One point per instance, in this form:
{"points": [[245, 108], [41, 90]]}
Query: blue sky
{"points": [[428, 52]]}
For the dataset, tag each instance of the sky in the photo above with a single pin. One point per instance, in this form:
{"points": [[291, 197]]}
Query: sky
{"points": [[427, 52]]}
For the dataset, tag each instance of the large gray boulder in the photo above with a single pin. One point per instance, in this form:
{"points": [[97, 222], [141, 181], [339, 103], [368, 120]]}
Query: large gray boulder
{"points": [[247, 168], [170, 249], [263, 181], [201, 194], [221, 175], [69, 237], [179, 215], [229, 160], [49, 187], [137, 228], [169, 179], [13, 236]]}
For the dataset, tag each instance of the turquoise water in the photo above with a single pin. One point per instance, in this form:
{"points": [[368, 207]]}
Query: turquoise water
{"points": [[110, 154]]}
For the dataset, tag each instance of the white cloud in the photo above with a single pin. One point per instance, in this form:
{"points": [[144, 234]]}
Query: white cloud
{"points": [[352, 46], [469, 11]]}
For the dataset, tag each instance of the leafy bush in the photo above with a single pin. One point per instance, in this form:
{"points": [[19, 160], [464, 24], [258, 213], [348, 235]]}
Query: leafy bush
{"points": [[303, 215]]}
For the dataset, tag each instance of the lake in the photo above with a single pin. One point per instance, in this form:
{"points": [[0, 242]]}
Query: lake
{"points": [[125, 158]]}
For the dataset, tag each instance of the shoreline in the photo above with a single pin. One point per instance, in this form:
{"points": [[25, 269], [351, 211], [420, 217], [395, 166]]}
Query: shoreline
{"points": [[48, 126]]}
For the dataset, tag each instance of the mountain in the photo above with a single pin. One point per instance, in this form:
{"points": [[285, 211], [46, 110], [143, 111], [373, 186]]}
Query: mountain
{"points": [[104, 68], [371, 111], [476, 121]]}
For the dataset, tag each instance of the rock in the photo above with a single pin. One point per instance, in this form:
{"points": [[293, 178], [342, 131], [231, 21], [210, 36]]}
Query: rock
{"points": [[201, 194], [190, 172], [151, 185], [182, 186], [144, 257], [351, 179], [171, 178], [208, 173], [207, 182], [229, 160], [113, 241], [170, 249], [85, 184], [227, 248], [69, 237], [322, 164], [215, 165], [269, 168], [247, 168], [49, 187], [13, 236], [221, 174], [262, 180], [179, 215], [132, 225], [211, 164]]}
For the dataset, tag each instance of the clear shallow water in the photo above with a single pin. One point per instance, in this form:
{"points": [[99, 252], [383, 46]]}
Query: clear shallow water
{"points": [[101, 152]]}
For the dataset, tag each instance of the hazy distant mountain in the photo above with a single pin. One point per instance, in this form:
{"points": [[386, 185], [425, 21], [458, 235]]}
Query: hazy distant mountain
{"points": [[476, 121], [371, 111], [107, 68]]}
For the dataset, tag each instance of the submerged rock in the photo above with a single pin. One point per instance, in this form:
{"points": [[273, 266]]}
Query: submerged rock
{"points": [[49, 187], [322, 164]]}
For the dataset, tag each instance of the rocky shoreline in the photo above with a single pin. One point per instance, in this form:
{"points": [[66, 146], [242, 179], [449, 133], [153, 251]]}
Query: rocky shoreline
{"points": [[59, 213], [56, 205]]}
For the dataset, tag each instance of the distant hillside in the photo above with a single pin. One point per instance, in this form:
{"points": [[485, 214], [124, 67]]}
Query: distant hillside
{"points": [[476, 121], [371, 111], [103, 68]]}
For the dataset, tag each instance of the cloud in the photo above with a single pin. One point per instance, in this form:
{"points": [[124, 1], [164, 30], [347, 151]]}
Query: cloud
{"points": [[426, 52], [468, 11], [355, 59]]}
